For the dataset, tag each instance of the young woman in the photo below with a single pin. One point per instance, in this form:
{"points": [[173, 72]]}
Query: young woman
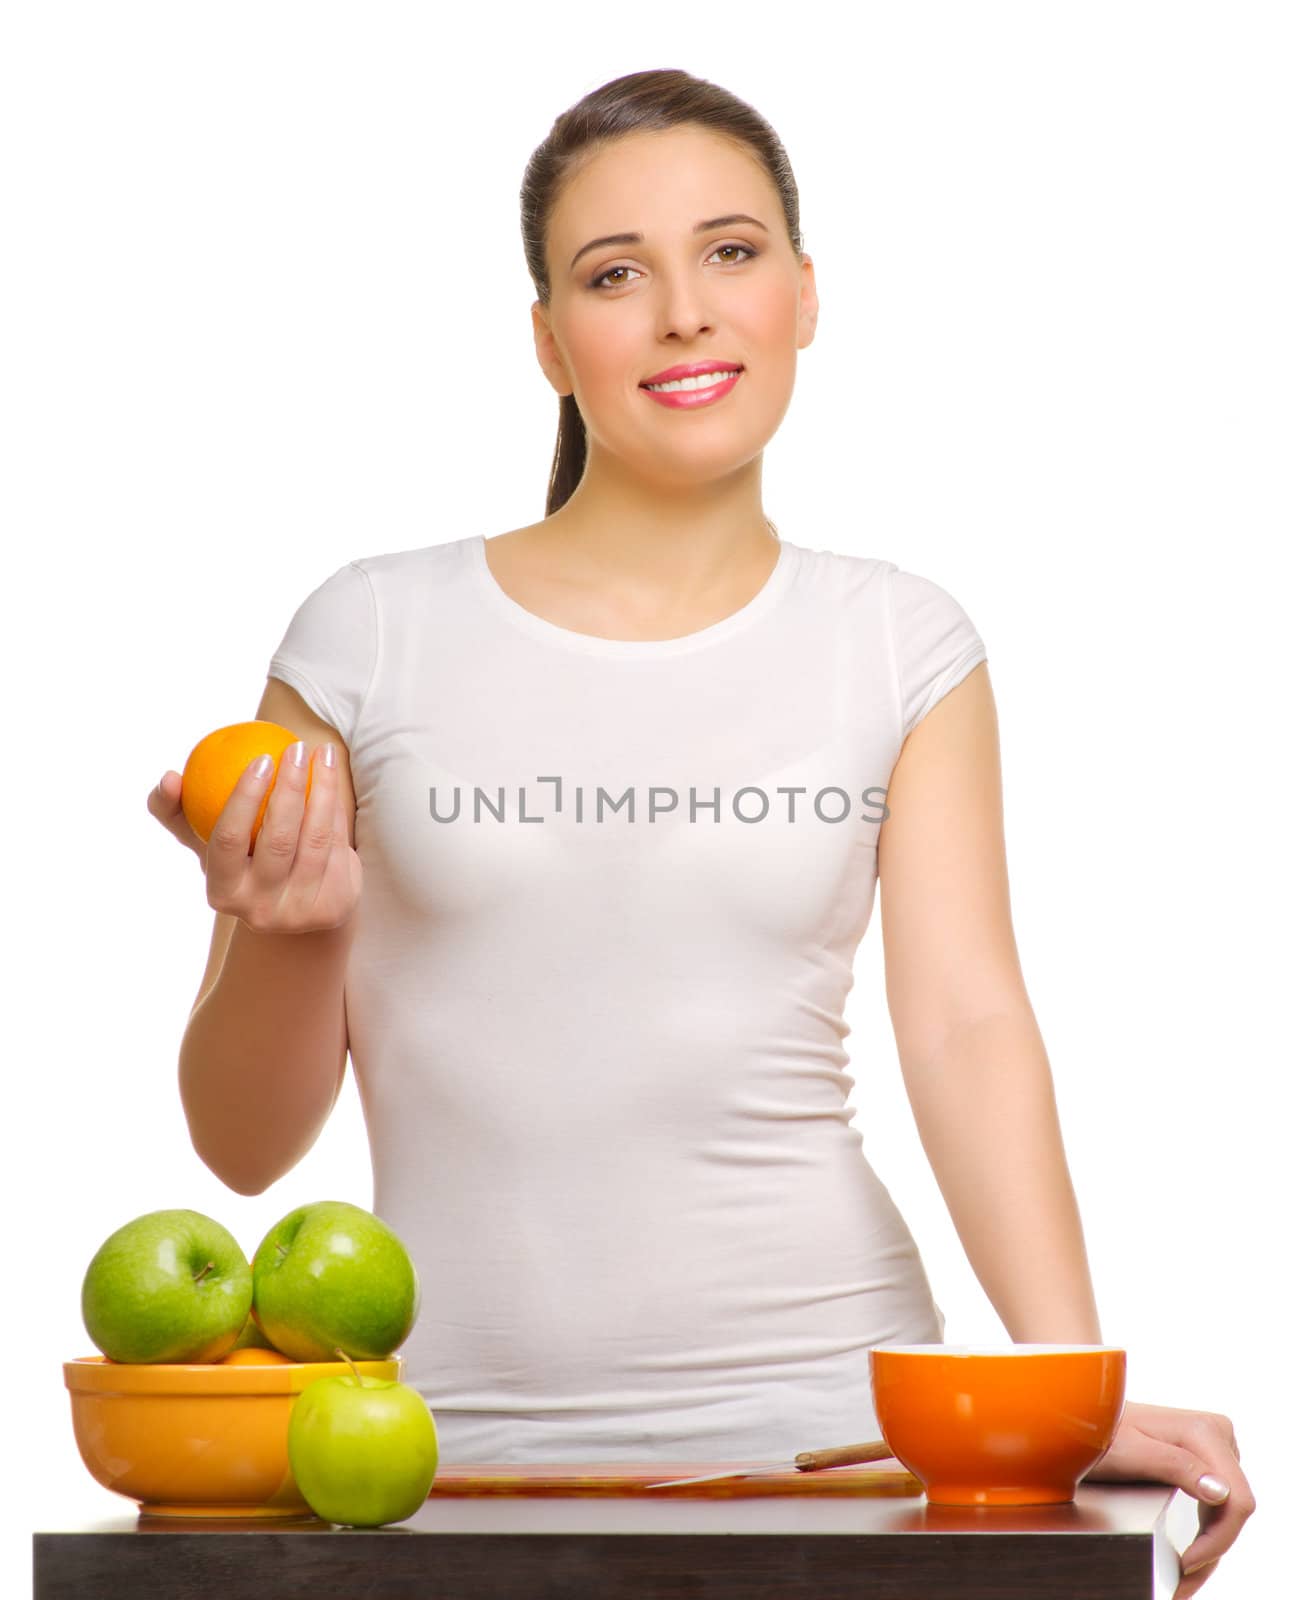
{"points": [[598, 810]]}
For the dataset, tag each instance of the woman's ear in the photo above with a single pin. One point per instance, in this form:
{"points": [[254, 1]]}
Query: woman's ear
{"points": [[808, 305], [548, 353]]}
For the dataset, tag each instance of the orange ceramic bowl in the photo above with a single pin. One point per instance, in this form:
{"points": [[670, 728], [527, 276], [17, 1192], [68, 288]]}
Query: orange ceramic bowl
{"points": [[203, 1439], [1018, 1425]]}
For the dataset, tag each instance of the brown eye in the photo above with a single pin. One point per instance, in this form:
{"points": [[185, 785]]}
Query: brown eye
{"points": [[600, 282]]}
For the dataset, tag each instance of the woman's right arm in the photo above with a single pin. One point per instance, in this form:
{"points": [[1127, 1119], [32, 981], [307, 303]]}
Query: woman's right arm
{"points": [[263, 1055]]}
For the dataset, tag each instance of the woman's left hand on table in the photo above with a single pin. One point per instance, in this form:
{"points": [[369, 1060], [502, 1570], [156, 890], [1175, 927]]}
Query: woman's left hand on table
{"points": [[1196, 1451]]}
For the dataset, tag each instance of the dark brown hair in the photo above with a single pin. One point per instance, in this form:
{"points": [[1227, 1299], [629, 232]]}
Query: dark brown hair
{"points": [[641, 102]]}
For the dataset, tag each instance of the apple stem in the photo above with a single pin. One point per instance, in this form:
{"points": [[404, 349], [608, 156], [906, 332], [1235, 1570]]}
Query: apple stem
{"points": [[208, 1267], [339, 1351]]}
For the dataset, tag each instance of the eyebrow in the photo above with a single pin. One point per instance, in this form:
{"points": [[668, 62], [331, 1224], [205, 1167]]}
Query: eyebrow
{"points": [[637, 238]]}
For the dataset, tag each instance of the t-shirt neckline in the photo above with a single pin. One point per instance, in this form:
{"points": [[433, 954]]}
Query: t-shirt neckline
{"points": [[763, 601]]}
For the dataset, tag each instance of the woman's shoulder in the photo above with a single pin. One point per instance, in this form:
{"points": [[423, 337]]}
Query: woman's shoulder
{"points": [[852, 569], [444, 554], [841, 576], [356, 593]]}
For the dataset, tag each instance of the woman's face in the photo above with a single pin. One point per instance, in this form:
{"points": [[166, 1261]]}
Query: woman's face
{"points": [[622, 312]]}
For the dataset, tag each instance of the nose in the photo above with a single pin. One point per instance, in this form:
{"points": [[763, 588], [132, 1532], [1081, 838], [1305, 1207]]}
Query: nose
{"points": [[684, 308]]}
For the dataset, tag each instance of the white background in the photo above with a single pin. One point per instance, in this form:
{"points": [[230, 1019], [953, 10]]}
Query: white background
{"points": [[265, 311]]}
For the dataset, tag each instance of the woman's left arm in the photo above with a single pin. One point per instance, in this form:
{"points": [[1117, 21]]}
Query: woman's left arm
{"points": [[980, 1085]]}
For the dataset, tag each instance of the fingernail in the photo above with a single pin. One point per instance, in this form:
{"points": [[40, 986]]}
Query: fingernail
{"points": [[263, 766], [297, 753], [329, 755], [1212, 1488]]}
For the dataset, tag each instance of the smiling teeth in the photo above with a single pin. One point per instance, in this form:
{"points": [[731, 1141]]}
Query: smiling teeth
{"points": [[703, 380]]}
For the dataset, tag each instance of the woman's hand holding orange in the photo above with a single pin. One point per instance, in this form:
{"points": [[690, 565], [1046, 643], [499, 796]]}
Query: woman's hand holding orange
{"points": [[303, 875]]}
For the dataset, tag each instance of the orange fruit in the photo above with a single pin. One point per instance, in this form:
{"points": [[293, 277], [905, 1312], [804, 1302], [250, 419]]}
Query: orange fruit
{"points": [[251, 1355], [214, 766]]}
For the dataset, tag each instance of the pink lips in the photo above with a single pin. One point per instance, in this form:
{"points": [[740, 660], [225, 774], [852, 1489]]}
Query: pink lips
{"points": [[691, 399], [693, 369]]}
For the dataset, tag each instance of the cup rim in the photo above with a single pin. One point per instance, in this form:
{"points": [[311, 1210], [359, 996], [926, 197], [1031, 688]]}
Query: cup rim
{"points": [[966, 1351], [98, 1375]]}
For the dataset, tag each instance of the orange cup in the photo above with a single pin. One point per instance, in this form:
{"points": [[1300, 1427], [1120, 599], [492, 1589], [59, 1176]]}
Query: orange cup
{"points": [[1012, 1426], [198, 1439]]}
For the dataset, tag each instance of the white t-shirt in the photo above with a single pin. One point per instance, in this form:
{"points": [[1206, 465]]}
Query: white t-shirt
{"points": [[612, 892]]}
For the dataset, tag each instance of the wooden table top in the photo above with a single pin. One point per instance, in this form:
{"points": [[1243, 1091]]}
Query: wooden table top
{"points": [[1112, 1542]]}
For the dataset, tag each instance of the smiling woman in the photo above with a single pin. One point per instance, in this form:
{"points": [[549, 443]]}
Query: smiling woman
{"points": [[754, 286], [597, 1010]]}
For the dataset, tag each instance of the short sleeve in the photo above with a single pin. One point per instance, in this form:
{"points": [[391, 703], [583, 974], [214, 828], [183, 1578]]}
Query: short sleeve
{"points": [[934, 642], [328, 652]]}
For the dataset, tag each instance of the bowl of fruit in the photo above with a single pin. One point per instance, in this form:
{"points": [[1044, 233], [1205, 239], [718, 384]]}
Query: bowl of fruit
{"points": [[262, 1388]]}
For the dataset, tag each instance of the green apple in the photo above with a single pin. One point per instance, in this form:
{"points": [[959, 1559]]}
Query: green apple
{"points": [[363, 1450], [250, 1336], [333, 1275], [167, 1286]]}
